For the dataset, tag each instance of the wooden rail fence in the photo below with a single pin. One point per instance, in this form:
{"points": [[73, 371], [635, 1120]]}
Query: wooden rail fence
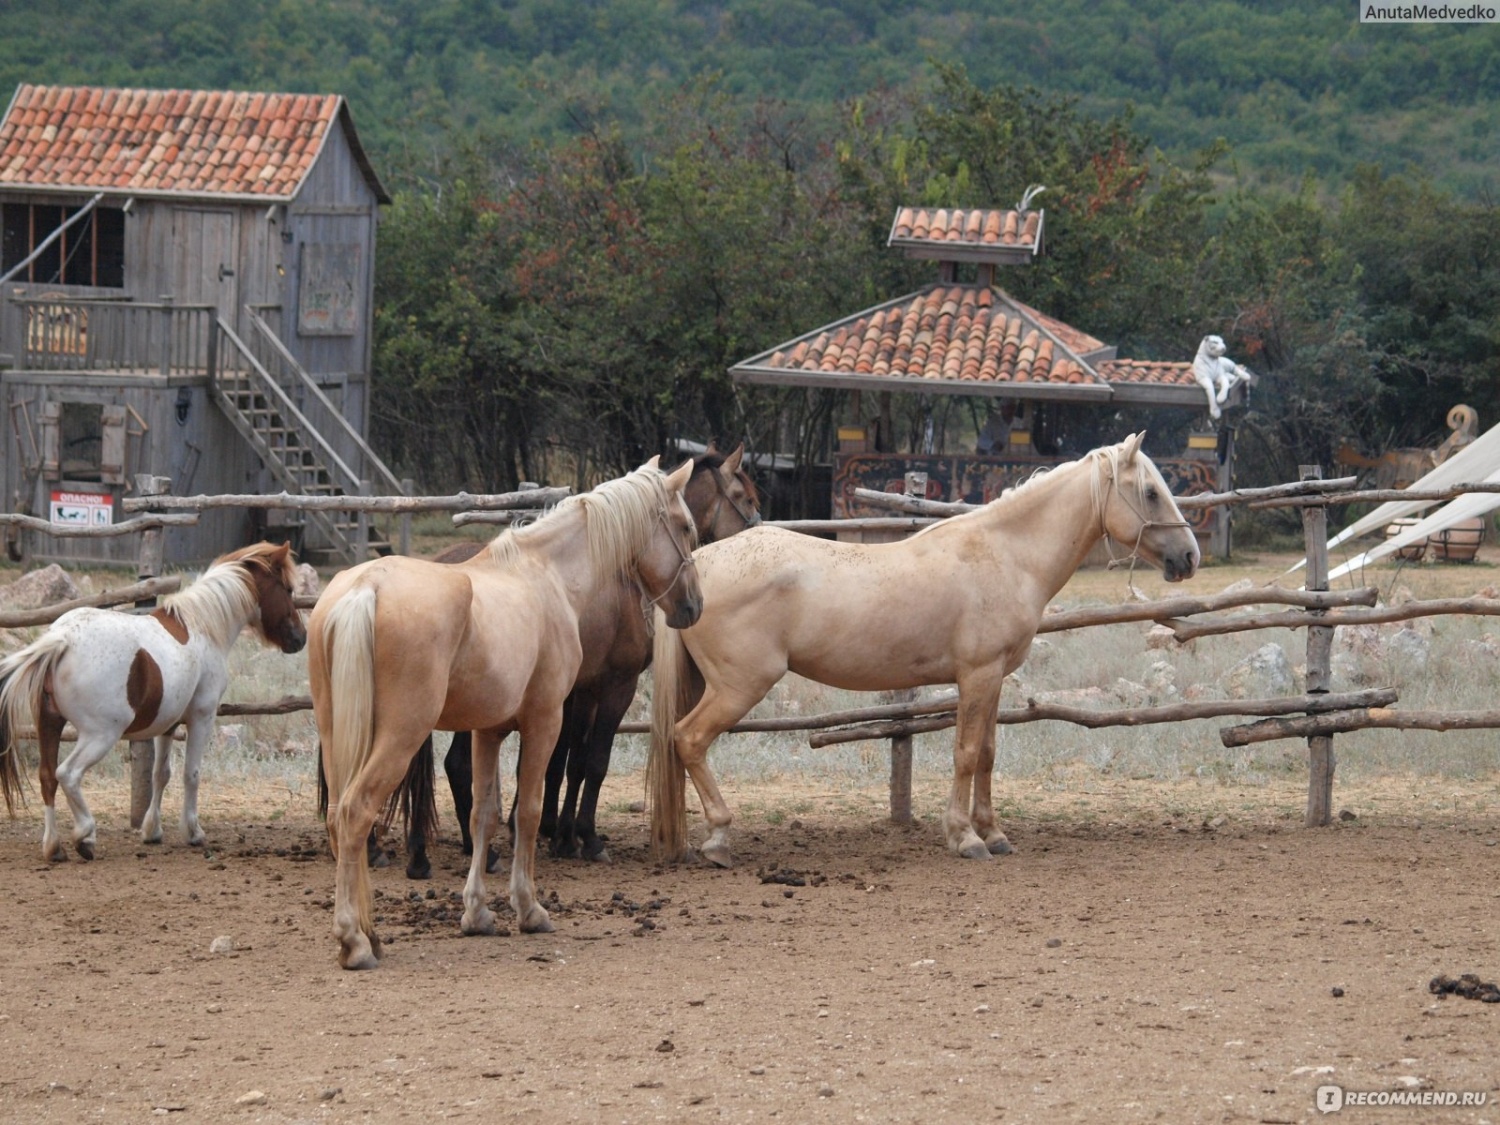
{"points": [[1317, 715]]}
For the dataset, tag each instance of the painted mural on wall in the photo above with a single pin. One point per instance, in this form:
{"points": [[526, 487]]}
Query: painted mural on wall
{"points": [[327, 298], [978, 480]]}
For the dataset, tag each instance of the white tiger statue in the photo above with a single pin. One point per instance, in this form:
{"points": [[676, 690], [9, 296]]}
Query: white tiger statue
{"points": [[1216, 373]]}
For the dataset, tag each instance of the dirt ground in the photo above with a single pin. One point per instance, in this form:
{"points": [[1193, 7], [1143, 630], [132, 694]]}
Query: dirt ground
{"points": [[1152, 952]]}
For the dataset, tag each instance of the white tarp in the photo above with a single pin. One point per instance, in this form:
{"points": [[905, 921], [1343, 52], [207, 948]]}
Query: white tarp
{"points": [[1455, 511], [1477, 461]]}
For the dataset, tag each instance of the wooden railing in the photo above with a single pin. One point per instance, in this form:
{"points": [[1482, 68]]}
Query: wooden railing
{"points": [[128, 337]]}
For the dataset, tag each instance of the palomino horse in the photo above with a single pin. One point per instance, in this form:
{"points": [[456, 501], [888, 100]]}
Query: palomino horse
{"points": [[400, 647], [959, 602], [616, 638], [115, 675]]}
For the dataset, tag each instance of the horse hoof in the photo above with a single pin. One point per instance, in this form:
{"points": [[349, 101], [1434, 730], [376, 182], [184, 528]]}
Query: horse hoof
{"points": [[601, 856], [717, 854], [492, 861], [379, 859], [480, 924], [424, 871], [156, 839], [194, 841], [358, 955], [85, 848], [55, 855], [537, 921], [976, 850], [1000, 846]]}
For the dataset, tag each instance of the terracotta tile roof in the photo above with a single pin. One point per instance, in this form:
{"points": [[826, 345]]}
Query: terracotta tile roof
{"points": [[1147, 371], [977, 235], [192, 142], [961, 333], [968, 339], [1078, 341]]}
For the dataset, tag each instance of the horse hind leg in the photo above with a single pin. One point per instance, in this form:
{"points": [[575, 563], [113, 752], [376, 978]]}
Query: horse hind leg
{"points": [[161, 773], [49, 738], [715, 713], [90, 750]]}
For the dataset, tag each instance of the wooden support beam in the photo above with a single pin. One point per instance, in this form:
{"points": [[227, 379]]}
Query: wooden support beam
{"points": [[459, 502], [45, 615], [1474, 607], [921, 722], [1386, 718]]}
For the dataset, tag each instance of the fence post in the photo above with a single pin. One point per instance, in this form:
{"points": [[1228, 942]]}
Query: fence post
{"points": [[407, 485], [142, 753], [362, 527], [1320, 758], [901, 744]]}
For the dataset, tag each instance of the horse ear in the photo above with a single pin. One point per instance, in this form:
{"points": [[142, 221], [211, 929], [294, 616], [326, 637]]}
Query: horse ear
{"points": [[1133, 446], [677, 479], [732, 460], [654, 463]]}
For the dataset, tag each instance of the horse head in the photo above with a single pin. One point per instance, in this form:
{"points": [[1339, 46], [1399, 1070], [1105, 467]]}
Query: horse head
{"points": [[1137, 509], [721, 495], [271, 573], [665, 566]]}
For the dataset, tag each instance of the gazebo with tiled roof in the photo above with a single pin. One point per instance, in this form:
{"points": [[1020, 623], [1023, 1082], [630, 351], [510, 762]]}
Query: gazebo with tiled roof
{"points": [[974, 339], [160, 248]]}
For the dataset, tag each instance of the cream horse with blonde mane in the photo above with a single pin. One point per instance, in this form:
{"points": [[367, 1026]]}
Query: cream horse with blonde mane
{"points": [[398, 647], [959, 602]]}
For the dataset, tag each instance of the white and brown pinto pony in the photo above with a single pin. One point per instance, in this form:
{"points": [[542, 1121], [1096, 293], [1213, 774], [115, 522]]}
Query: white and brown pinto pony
{"points": [[959, 602], [399, 647], [116, 675]]}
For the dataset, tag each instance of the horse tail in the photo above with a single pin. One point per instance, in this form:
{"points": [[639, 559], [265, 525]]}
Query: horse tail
{"points": [[350, 632], [671, 671], [23, 679]]}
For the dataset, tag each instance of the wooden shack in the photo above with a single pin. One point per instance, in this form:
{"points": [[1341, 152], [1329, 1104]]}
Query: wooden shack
{"points": [[971, 338], [186, 280]]}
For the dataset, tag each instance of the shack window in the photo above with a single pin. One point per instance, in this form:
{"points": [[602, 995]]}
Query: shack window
{"points": [[81, 429], [90, 252]]}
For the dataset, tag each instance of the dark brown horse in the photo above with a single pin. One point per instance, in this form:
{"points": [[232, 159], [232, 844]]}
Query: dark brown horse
{"points": [[616, 638]]}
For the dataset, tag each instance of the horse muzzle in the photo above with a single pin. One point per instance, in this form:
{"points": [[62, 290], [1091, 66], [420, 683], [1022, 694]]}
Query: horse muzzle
{"points": [[686, 613], [1178, 567], [294, 641]]}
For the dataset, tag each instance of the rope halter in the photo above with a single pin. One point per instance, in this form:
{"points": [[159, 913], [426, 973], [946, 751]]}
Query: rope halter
{"points": [[685, 556]]}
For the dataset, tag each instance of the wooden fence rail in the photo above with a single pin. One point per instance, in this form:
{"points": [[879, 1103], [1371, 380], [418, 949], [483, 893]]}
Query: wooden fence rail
{"points": [[1317, 715]]}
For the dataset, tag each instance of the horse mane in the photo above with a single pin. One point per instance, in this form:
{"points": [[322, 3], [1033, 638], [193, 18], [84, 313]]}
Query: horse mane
{"points": [[1104, 463], [224, 598], [619, 519]]}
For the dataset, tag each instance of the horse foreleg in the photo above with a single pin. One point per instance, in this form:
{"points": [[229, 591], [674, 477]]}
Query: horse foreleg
{"points": [[597, 746], [90, 750], [985, 826], [49, 737], [200, 729], [559, 823], [161, 773], [459, 766], [539, 731], [975, 731], [484, 822]]}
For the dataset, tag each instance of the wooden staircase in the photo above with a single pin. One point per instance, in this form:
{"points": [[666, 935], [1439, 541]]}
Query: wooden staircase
{"points": [[299, 457]]}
